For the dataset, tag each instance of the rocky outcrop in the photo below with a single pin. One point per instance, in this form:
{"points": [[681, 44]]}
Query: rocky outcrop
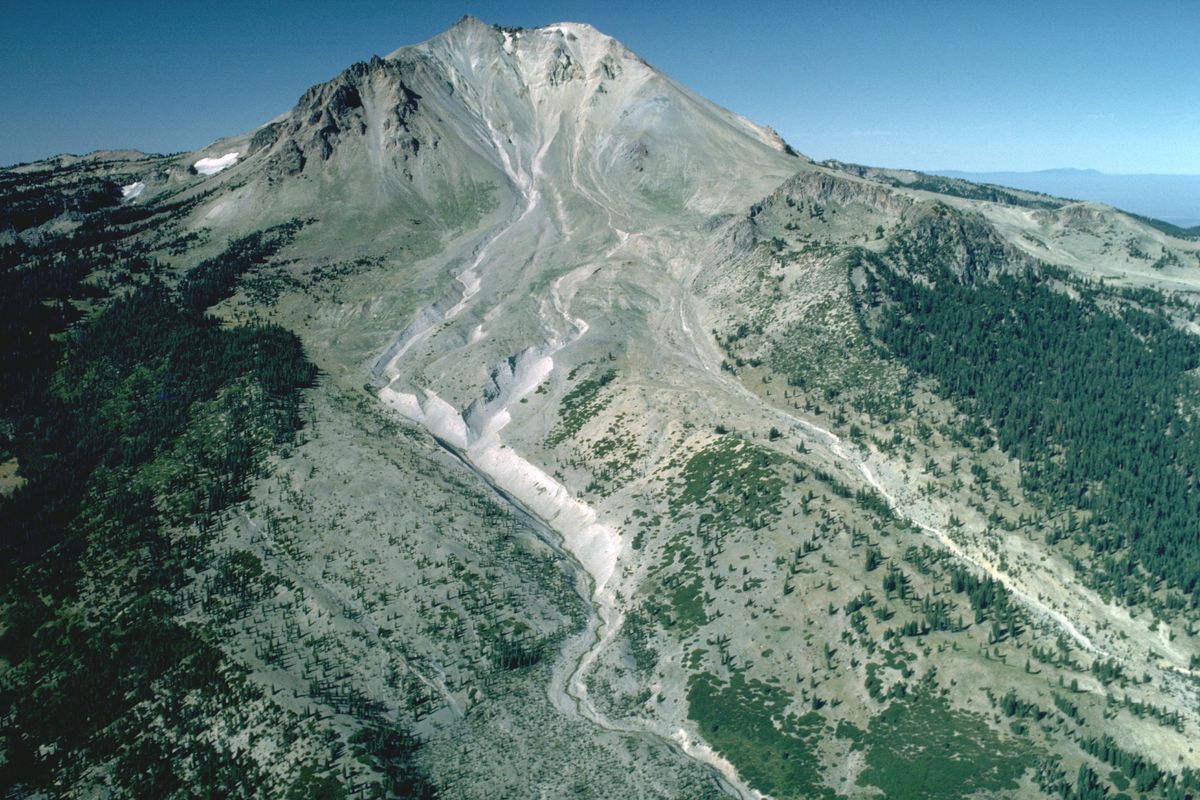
{"points": [[328, 114], [286, 161], [608, 68], [564, 68], [937, 240], [826, 188], [1083, 217], [264, 137]]}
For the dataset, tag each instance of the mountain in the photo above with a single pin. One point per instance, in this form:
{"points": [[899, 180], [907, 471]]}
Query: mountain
{"points": [[1174, 199], [505, 419]]}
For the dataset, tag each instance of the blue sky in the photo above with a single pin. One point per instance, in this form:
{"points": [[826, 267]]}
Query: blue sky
{"points": [[929, 85]]}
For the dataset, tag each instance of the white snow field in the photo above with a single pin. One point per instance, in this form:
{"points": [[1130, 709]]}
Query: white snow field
{"points": [[211, 166]]}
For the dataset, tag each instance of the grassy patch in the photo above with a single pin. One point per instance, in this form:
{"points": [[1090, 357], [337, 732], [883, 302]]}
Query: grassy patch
{"points": [[580, 405], [680, 606], [615, 456], [922, 748], [747, 721], [733, 482]]}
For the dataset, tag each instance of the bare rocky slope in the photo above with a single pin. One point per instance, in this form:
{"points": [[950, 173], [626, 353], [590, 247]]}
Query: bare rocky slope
{"points": [[645, 458]]}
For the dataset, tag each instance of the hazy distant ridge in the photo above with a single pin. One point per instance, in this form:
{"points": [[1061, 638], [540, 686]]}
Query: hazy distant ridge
{"points": [[1172, 198]]}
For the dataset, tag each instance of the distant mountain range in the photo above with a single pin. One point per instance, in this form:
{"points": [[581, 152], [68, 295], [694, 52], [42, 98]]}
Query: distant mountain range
{"points": [[1171, 198]]}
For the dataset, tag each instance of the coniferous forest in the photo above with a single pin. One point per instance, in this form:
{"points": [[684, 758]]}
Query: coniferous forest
{"points": [[1097, 398], [137, 420]]}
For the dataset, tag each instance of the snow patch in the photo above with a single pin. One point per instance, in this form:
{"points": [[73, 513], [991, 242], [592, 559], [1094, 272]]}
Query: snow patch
{"points": [[211, 166], [132, 190]]}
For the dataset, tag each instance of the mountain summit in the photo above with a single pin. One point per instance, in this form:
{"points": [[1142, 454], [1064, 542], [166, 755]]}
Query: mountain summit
{"points": [[506, 420], [482, 109]]}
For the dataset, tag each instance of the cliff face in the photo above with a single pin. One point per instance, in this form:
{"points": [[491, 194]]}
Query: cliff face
{"points": [[825, 187]]}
